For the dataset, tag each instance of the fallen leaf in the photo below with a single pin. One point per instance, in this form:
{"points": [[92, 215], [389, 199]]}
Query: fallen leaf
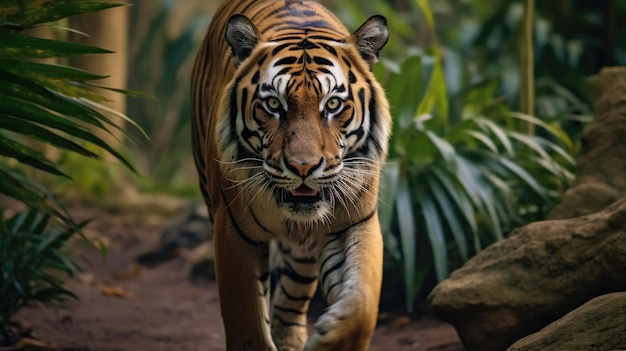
{"points": [[24, 342], [131, 273], [116, 291], [401, 321]]}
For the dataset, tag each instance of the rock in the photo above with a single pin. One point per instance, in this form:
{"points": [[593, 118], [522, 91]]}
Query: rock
{"points": [[599, 324], [190, 229], [601, 169], [544, 270]]}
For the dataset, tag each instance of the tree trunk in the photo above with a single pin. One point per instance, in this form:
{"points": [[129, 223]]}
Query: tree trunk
{"points": [[107, 29]]}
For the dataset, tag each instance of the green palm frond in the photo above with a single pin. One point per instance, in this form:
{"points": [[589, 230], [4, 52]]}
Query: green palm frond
{"points": [[50, 103]]}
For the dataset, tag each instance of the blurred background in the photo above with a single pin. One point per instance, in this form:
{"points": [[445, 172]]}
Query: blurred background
{"points": [[488, 97]]}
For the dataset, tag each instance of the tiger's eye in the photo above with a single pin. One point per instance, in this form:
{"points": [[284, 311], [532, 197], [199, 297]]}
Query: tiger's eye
{"points": [[273, 103], [333, 104]]}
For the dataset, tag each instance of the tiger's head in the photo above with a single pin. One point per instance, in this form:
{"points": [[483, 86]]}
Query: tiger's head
{"points": [[303, 121]]}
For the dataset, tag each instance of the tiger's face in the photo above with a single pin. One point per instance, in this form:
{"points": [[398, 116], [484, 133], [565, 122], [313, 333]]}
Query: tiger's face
{"points": [[304, 124]]}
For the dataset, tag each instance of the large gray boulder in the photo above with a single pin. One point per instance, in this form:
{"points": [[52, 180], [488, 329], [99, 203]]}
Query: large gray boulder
{"points": [[598, 325], [601, 169], [547, 269], [544, 270]]}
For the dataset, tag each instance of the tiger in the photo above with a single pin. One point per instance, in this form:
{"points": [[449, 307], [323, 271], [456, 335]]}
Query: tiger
{"points": [[290, 129]]}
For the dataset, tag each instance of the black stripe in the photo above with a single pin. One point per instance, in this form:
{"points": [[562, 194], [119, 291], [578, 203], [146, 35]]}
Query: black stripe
{"points": [[243, 235], [288, 310], [286, 250], [294, 276], [287, 324], [286, 61], [330, 49], [263, 277], [304, 260], [291, 297], [322, 61], [258, 223], [332, 269], [332, 255], [233, 110], [330, 289], [280, 48], [342, 231]]}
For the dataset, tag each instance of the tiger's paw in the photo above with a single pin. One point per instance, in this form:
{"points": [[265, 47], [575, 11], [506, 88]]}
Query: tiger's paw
{"points": [[345, 326], [289, 338]]}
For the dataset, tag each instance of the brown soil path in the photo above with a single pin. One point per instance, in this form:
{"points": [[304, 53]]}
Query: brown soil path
{"points": [[160, 309]]}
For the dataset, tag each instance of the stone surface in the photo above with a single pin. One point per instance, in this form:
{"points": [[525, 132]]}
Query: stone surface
{"points": [[601, 169], [598, 325], [549, 268], [543, 271]]}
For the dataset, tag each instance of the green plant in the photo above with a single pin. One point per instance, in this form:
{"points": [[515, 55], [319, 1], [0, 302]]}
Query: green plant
{"points": [[55, 105], [43, 106], [162, 55], [457, 182], [33, 265]]}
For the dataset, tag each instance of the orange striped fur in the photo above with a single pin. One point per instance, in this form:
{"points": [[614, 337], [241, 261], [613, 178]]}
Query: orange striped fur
{"points": [[289, 132]]}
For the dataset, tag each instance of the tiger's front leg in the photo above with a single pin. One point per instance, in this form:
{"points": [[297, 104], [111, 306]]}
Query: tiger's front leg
{"points": [[296, 282], [350, 278], [241, 267]]}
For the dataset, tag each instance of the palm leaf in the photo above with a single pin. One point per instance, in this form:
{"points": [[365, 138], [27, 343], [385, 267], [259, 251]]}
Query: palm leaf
{"points": [[434, 231], [29, 12], [407, 225], [449, 210]]}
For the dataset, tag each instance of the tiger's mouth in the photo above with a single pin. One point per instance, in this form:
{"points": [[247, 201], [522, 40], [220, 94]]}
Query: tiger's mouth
{"points": [[301, 195]]}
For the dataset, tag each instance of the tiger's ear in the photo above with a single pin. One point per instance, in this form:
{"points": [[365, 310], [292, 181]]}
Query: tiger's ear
{"points": [[370, 38], [242, 37]]}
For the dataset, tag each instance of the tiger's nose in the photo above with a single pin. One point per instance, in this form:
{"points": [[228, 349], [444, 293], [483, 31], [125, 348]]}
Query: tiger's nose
{"points": [[304, 168]]}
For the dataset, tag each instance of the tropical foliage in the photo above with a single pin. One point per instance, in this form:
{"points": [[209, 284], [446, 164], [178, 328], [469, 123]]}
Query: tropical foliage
{"points": [[465, 168], [32, 266], [466, 164], [49, 103], [156, 31], [43, 106]]}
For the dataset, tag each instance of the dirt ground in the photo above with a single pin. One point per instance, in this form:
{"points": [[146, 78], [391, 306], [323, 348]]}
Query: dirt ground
{"points": [[126, 307]]}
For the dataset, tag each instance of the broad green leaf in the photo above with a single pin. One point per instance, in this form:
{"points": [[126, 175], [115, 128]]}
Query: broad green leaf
{"points": [[23, 47], [29, 12], [525, 176], [450, 184], [428, 13], [128, 120], [483, 139], [386, 204], [559, 150], [15, 87], [559, 133], [554, 168], [28, 156], [483, 199], [532, 142], [82, 109], [127, 92], [403, 92], [27, 128], [499, 133], [449, 209], [39, 70], [444, 148], [37, 114], [406, 222], [34, 195], [70, 89], [434, 230], [417, 148]]}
